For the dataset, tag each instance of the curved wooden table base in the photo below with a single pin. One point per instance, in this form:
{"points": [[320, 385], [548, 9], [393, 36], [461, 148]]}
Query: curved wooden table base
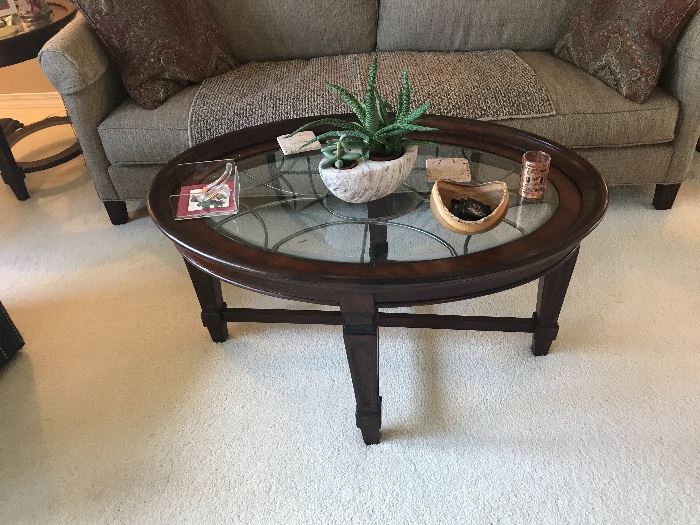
{"points": [[13, 172]]}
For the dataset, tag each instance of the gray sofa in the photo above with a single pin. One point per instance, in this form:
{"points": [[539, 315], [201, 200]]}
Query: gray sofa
{"points": [[124, 145]]}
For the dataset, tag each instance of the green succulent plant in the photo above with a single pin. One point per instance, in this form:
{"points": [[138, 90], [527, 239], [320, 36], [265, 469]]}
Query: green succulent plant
{"points": [[380, 129], [339, 153]]}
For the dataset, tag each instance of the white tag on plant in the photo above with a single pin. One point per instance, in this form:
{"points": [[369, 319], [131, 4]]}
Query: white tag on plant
{"points": [[295, 143], [448, 169]]}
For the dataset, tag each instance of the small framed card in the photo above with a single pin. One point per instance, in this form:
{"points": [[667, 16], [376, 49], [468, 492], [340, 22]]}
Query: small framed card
{"points": [[295, 144], [448, 169], [191, 206]]}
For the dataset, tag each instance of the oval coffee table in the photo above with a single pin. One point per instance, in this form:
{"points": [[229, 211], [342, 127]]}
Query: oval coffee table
{"points": [[292, 239]]}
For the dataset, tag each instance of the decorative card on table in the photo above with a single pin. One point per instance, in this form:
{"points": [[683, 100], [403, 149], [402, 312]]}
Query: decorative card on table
{"points": [[448, 169], [295, 144], [191, 205], [207, 189]]}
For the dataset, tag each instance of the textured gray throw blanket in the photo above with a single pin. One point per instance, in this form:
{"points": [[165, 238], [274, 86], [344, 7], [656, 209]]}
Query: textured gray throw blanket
{"points": [[485, 85]]}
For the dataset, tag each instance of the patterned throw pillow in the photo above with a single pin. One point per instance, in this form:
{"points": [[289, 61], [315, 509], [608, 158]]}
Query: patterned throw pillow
{"points": [[158, 46], [625, 43]]}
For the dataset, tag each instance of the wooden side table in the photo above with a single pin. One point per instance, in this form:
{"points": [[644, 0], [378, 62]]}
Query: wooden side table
{"points": [[20, 42]]}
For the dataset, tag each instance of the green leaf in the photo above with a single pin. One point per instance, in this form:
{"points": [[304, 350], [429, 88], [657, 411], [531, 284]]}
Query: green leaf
{"points": [[351, 156], [416, 113], [327, 163], [353, 143], [404, 128], [322, 136], [320, 122], [342, 124], [381, 109], [349, 99], [332, 134], [371, 117], [389, 108], [404, 104]]}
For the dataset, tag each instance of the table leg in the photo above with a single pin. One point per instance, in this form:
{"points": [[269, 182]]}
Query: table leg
{"points": [[12, 175], [550, 299], [208, 289], [360, 332], [378, 245]]}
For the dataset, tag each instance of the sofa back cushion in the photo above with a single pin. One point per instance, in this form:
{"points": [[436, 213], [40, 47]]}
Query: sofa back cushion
{"points": [[468, 25], [283, 30]]}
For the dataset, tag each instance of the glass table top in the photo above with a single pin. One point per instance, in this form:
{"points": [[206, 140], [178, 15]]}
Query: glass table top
{"points": [[13, 25], [285, 208]]}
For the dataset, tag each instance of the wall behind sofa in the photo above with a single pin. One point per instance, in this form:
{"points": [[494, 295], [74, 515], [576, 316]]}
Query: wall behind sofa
{"points": [[24, 78]]}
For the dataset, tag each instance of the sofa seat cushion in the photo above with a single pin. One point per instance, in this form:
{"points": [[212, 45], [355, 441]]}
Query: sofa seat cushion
{"points": [[589, 114]]}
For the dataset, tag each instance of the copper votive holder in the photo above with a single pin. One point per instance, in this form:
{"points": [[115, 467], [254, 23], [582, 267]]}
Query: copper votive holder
{"points": [[534, 175]]}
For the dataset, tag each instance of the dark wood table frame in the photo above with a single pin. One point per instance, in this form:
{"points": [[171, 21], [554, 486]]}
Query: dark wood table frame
{"points": [[13, 50], [360, 290]]}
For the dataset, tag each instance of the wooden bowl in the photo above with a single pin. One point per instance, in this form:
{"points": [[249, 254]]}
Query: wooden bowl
{"points": [[495, 194]]}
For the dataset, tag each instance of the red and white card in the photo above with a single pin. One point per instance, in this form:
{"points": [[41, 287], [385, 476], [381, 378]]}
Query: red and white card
{"points": [[190, 206]]}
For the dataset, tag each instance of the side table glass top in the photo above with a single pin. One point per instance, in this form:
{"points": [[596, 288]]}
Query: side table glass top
{"points": [[13, 25], [285, 208]]}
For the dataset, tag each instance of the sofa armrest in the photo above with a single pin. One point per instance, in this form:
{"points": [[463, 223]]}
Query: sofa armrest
{"points": [[75, 63], [681, 78]]}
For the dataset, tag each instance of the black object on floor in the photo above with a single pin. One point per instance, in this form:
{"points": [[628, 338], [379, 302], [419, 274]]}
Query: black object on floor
{"points": [[10, 338]]}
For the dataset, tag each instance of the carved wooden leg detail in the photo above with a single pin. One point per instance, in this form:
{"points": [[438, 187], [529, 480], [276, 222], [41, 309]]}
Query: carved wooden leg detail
{"points": [[360, 333], [550, 299], [208, 289], [665, 195]]}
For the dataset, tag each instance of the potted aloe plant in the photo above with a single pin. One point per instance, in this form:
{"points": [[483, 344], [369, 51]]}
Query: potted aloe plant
{"points": [[368, 158]]}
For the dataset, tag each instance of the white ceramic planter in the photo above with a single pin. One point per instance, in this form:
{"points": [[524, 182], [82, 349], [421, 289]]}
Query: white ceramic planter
{"points": [[371, 179]]}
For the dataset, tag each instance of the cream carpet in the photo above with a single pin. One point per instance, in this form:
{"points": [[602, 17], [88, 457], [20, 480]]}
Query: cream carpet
{"points": [[121, 410]]}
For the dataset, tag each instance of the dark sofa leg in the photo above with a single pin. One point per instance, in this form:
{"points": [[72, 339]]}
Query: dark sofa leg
{"points": [[117, 211], [664, 195]]}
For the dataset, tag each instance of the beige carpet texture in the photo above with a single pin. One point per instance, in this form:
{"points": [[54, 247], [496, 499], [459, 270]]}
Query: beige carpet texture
{"points": [[120, 409]]}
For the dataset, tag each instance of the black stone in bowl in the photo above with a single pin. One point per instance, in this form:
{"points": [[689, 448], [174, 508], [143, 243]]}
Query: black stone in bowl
{"points": [[469, 209]]}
